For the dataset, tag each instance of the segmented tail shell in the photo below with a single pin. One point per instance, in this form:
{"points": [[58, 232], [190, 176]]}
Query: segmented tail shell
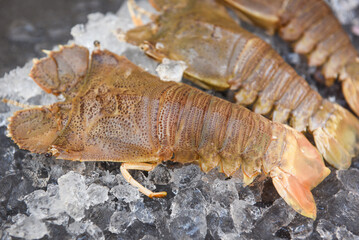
{"points": [[274, 88], [316, 32]]}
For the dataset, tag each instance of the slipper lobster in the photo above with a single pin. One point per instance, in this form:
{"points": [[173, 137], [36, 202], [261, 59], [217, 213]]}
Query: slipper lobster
{"points": [[222, 55], [315, 31], [115, 111]]}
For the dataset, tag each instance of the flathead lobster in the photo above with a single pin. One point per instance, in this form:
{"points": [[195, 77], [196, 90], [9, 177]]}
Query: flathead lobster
{"points": [[315, 31], [221, 55], [115, 111]]}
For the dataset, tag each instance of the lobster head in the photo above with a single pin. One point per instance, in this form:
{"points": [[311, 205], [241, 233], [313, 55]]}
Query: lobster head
{"points": [[34, 129]]}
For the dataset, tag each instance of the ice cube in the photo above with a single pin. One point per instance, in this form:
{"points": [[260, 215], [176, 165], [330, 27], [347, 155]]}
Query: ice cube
{"points": [[145, 215], [325, 229], [187, 174], [47, 205], [191, 227], [301, 228], [344, 9], [343, 233], [120, 220], [97, 194], [188, 217], [73, 194], [28, 227], [243, 215], [170, 70], [95, 232], [77, 228], [350, 179], [125, 191]]}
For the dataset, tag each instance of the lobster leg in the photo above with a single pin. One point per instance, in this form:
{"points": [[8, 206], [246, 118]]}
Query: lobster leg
{"points": [[18, 104], [144, 167], [132, 6], [135, 19]]}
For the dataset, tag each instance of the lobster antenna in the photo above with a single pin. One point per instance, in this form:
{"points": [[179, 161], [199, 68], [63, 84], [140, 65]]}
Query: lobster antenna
{"points": [[17, 104], [136, 19]]}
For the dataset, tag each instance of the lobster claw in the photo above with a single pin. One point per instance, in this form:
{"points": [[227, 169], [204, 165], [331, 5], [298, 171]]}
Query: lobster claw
{"points": [[350, 85], [300, 170]]}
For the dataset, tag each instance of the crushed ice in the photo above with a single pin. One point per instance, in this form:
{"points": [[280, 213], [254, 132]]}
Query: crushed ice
{"points": [[80, 199], [170, 70]]}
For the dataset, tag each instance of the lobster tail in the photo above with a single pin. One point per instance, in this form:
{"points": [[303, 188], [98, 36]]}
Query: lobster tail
{"points": [[295, 168], [255, 145], [350, 85], [288, 97], [316, 32], [336, 134]]}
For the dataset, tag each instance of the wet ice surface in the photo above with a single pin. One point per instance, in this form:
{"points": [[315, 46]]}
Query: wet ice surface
{"points": [[170, 70], [41, 197], [344, 9]]}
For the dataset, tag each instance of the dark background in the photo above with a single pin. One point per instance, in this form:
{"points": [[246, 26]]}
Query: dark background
{"points": [[28, 26]]}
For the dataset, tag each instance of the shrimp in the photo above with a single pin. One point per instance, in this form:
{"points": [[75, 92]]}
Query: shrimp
{"points": [[316, 32], [221, 55], [115, 111]]}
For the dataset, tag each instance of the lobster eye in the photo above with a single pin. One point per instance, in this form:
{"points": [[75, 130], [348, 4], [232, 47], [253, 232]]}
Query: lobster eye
{"points": [[48, 154]]}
